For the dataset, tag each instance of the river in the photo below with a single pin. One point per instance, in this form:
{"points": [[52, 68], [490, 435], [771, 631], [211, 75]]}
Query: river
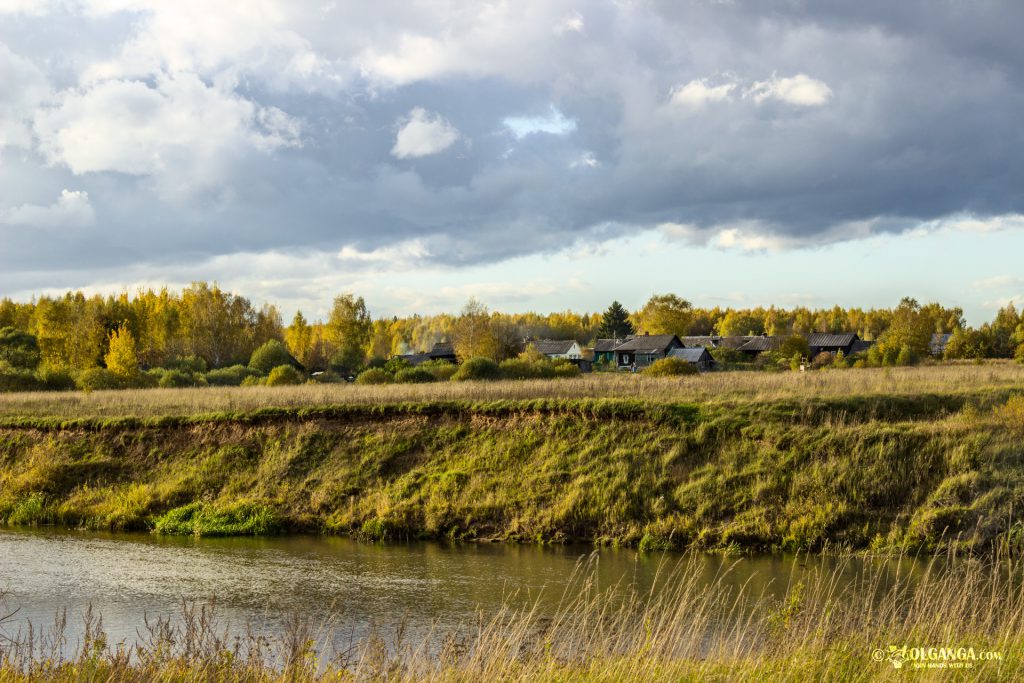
{"points": [[339, 583]]}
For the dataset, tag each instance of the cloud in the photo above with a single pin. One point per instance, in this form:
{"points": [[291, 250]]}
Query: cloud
{"points": [[553, 122], [800, 90], [71, 210], [698, 92], [25, 88], [178, 126], [570, 23], [423, 133]]}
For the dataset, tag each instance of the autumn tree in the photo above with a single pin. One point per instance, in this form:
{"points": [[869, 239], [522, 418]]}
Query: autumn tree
{"points": [[348, 331], [121, 358], [299, 338], [664, 314], [472, 334]]}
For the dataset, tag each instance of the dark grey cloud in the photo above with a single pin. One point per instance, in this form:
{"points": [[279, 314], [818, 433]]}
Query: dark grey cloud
{"points": [[810, 121]]}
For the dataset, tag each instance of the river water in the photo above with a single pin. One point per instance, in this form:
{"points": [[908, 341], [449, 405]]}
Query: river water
{"points": [[350, 586]]}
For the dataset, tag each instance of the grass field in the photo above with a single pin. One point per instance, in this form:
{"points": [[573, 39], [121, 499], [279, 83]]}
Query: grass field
{"points": [[957, 620], [721, 387], [928, 458]]}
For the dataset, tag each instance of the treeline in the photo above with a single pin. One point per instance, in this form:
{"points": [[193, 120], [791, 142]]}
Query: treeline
{"points": [[205, 328]]}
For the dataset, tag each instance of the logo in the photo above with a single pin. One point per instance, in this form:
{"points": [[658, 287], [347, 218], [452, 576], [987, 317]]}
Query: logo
{"points": [[917, 657]]}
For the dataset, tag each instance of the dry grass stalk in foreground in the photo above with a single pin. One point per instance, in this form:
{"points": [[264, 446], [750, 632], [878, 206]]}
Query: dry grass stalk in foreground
{"points": [[683, 630], [709, 387]]}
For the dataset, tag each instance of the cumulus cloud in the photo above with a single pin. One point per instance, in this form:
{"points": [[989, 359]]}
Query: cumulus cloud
{"points": [[201, 130], [178, 124], [699, 92], [71, 210], [423, 133], [800, 90]]}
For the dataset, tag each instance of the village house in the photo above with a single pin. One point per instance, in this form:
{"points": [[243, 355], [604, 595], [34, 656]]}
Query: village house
{"points": [[604, 350], [822, 342], [440, 351], [641, 350], [568, 349], [755, 346], [698, 356]]}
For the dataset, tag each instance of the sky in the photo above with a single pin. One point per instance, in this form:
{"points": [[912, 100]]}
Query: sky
{"points": [[538, 155]]}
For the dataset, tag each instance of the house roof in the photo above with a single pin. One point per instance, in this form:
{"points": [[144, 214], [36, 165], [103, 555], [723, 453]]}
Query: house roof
{"points": [[824, 339], [691, 355], [415, 358], [605, 345], [758, 344], [552, 346], [441, 349], [714, 341], [648, 343]]}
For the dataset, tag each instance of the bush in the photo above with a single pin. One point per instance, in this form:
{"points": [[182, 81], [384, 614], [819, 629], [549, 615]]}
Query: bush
{"points": [[1019, 354], [98, 379], [175, 379], [17, 379], [795, 345], [563, 369], [726, 356], [396, 365], [19, 349], [254, 381], [905, 357], [442, 370], [284, 375], [374, 376], [271, 355], [55, 379], [231, 376], [822, 360], [414, 376], [669, 367], [478, 368]]}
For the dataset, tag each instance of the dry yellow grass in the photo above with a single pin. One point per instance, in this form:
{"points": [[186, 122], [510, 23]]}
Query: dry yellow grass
{"points": [[708, 388]]}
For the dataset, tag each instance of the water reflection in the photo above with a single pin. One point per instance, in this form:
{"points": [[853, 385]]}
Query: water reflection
{"points": [[263, 581]]}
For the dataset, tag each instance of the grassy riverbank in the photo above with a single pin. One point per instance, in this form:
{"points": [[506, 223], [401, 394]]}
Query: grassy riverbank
{"points": [[916, 468], [959, 620]]}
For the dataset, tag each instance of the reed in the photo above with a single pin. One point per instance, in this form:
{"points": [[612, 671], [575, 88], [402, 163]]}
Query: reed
{"points": [[960, 619]]}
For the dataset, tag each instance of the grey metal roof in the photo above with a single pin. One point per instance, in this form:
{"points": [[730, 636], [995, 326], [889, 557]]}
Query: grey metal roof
{"points": [[415, 358], [823, 339], [648, 343], [552, 346], [605, 345], [691, 355], [759, 344]]}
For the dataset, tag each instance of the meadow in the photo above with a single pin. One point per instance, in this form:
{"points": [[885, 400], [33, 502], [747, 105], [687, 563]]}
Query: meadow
{"points": [[954, 619], [718, 387]]}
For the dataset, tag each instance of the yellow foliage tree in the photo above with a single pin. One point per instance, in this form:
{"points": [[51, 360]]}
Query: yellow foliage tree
{"points": [[121, 358]]}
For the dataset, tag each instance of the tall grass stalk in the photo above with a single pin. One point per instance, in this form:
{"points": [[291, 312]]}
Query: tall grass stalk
{"points": [[685, 628]]}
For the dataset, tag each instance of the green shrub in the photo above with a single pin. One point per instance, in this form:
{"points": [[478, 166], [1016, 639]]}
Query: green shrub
{"points": [[374, 376], [521, 368], [284, 375], [19, 349], [55, 379], [271, 355], [414, 376], [822, 360], [193, 364], [1019, 354], [396, 365], [29, 511], [17, 379], [174, 379], [253, 381], [563, 369], [478, 368], [98, 379], [231, 376], [442, 370], [795, 345], [668, 367]]}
